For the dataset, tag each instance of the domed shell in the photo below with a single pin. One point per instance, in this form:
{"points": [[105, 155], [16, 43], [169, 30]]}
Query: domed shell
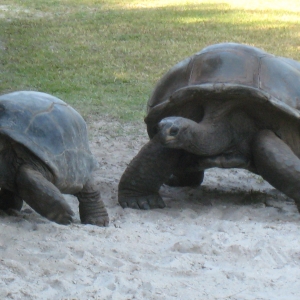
{"points": [[53, 131], [225, 72]]}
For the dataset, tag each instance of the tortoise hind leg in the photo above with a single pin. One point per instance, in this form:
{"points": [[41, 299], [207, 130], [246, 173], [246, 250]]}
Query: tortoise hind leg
{"points": [[9, 200], [91, 207], [185, 173], [191, 179], [277, 164], [142, 179], [42, 195]]}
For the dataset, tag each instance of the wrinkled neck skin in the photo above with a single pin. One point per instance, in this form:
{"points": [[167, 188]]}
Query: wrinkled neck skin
{"points": [[212, 135], [208, 138], [225, 129]]}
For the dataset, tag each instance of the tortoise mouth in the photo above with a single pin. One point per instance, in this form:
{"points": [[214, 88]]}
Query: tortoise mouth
{"points": [[165, 138], [168, 142], [169, 139]]}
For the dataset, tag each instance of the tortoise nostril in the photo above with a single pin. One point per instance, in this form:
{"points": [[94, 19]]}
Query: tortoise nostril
{"points": [[174, 131]]}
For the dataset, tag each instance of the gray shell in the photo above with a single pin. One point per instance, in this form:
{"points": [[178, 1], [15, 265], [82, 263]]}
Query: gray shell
{"points": [[225, 72], [53, 131]]}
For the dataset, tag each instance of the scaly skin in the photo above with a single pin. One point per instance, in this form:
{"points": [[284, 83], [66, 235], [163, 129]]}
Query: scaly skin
{"points": [[277, 164], [139, 185], [42, 195], [272, 158], [91, 207]]}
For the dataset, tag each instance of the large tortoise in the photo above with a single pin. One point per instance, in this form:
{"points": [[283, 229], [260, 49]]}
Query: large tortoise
{"points": [[228, 106], [44, 152]]}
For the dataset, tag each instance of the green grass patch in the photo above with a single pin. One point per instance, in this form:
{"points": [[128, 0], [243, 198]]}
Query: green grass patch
{"points": [[104, 57]]}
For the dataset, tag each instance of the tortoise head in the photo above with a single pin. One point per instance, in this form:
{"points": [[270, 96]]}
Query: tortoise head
{"points": [[174, 132], [204, 138]]}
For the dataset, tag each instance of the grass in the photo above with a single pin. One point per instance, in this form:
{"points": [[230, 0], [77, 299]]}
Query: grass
{"points": [[104, 57]]}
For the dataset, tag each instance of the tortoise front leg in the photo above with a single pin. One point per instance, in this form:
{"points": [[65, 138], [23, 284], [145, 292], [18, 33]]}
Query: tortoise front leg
{"points": [[142, 179], [277, 164], [91, 207], [42, 195]]}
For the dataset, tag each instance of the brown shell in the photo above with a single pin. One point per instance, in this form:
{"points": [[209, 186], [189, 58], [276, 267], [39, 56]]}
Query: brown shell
{"points": [[53, 131], [225, 72]]}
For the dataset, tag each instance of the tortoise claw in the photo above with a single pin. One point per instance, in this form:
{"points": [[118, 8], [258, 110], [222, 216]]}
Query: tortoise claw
{"points": [[100, 221], [61, 216], [142, 202], [145, 206], [93, 213]]}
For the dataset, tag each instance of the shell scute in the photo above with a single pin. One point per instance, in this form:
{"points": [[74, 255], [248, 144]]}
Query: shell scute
{"points": [[281, 79], [51, 130], [227, 66], [244, 75]]}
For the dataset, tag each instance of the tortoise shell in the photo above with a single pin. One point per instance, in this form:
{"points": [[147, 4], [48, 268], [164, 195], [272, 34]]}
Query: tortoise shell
{"points": [[226, 72], [53, 131]]}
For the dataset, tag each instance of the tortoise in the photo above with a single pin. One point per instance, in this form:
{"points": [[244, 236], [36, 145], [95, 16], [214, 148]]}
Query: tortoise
{"points": [[44, 152], [228, 106]]}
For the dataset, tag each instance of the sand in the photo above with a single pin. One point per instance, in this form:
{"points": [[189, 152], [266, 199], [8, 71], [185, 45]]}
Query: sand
{"points": [[235, 237]]}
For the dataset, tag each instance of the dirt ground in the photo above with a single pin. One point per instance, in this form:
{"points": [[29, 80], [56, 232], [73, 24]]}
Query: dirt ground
{"points": [[235, 237]]}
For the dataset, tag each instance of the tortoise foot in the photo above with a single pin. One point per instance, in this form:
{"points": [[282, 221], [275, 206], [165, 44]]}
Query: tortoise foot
{"points": [[93, 213], [59, 215], [141, 202]]}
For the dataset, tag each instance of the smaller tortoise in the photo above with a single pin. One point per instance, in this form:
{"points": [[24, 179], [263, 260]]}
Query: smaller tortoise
{"points": [[228, 106], [44, 152]]}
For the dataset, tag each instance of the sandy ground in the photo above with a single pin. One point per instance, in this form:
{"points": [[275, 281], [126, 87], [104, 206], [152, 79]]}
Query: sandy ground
{"points": [[235, 237]]}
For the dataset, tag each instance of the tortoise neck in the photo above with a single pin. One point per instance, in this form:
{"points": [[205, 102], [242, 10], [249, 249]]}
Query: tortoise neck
{"points": [[208, 138]]}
